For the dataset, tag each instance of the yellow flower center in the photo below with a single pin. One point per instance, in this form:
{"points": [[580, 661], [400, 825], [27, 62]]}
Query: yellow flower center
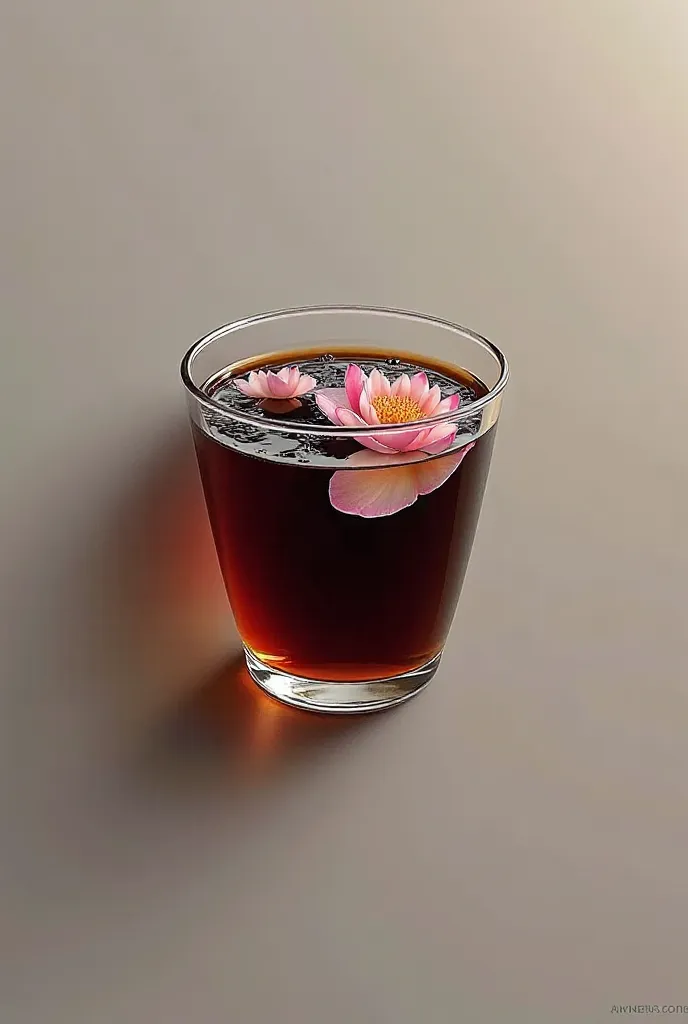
{"points": [[395, 409]]}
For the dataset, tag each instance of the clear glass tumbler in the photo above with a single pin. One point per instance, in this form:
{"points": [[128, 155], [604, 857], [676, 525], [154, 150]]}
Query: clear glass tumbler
{"points": [[344, 452]]}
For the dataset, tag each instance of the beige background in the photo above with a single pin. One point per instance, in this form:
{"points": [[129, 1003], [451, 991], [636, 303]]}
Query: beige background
{"points": [[513, 845]]}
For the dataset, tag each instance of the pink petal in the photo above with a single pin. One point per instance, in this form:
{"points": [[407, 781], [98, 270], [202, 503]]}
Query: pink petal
{"points": [[284, 374], [439, 438], [258, 382], [378, 385], [354, 382], [370, 441], [366, 410], [418, 443], [329, 400], [293, 378], [406, 440], [397, 440], [373, 492], [246, 388], [327, 408], [348, 418], [432, 474], [304, 384], [430, 401], [450, 404], [419, 386], [402, 386], [336, 395], [262, 383], [278, 388], [332, 402]]}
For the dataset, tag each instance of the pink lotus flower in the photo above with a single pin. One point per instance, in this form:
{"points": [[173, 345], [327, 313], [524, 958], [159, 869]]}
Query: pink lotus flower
{"points": [[279, 391], [369, 492], [372, 401]]}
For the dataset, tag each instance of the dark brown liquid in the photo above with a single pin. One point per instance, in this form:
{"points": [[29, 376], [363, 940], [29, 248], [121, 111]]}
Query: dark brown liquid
{"points": [[327, 595]]}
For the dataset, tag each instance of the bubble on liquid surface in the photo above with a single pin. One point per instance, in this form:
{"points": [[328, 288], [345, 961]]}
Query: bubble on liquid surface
{"points": [[316, 450]]}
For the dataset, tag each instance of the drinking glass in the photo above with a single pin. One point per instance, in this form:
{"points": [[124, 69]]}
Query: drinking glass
{"points": [[343, 488]]}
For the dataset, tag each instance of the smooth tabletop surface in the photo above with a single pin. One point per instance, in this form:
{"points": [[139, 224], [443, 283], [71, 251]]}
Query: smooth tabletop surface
{"points": [[512, 845]]}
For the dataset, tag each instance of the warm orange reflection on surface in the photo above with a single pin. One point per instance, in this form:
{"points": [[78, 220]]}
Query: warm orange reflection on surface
{"points": [[158, 616], [260, 734], [186, 615]]}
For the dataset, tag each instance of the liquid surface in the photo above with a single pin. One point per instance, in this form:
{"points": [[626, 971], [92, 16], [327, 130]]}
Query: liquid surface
{"points": [[320, 593], [329, 371]]}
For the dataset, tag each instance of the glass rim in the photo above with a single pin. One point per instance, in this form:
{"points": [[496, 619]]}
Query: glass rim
{"points": [[331, 430]]}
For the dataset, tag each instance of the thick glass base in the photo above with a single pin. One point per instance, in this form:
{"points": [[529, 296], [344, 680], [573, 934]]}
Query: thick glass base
{"points": [[340, 698]]}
